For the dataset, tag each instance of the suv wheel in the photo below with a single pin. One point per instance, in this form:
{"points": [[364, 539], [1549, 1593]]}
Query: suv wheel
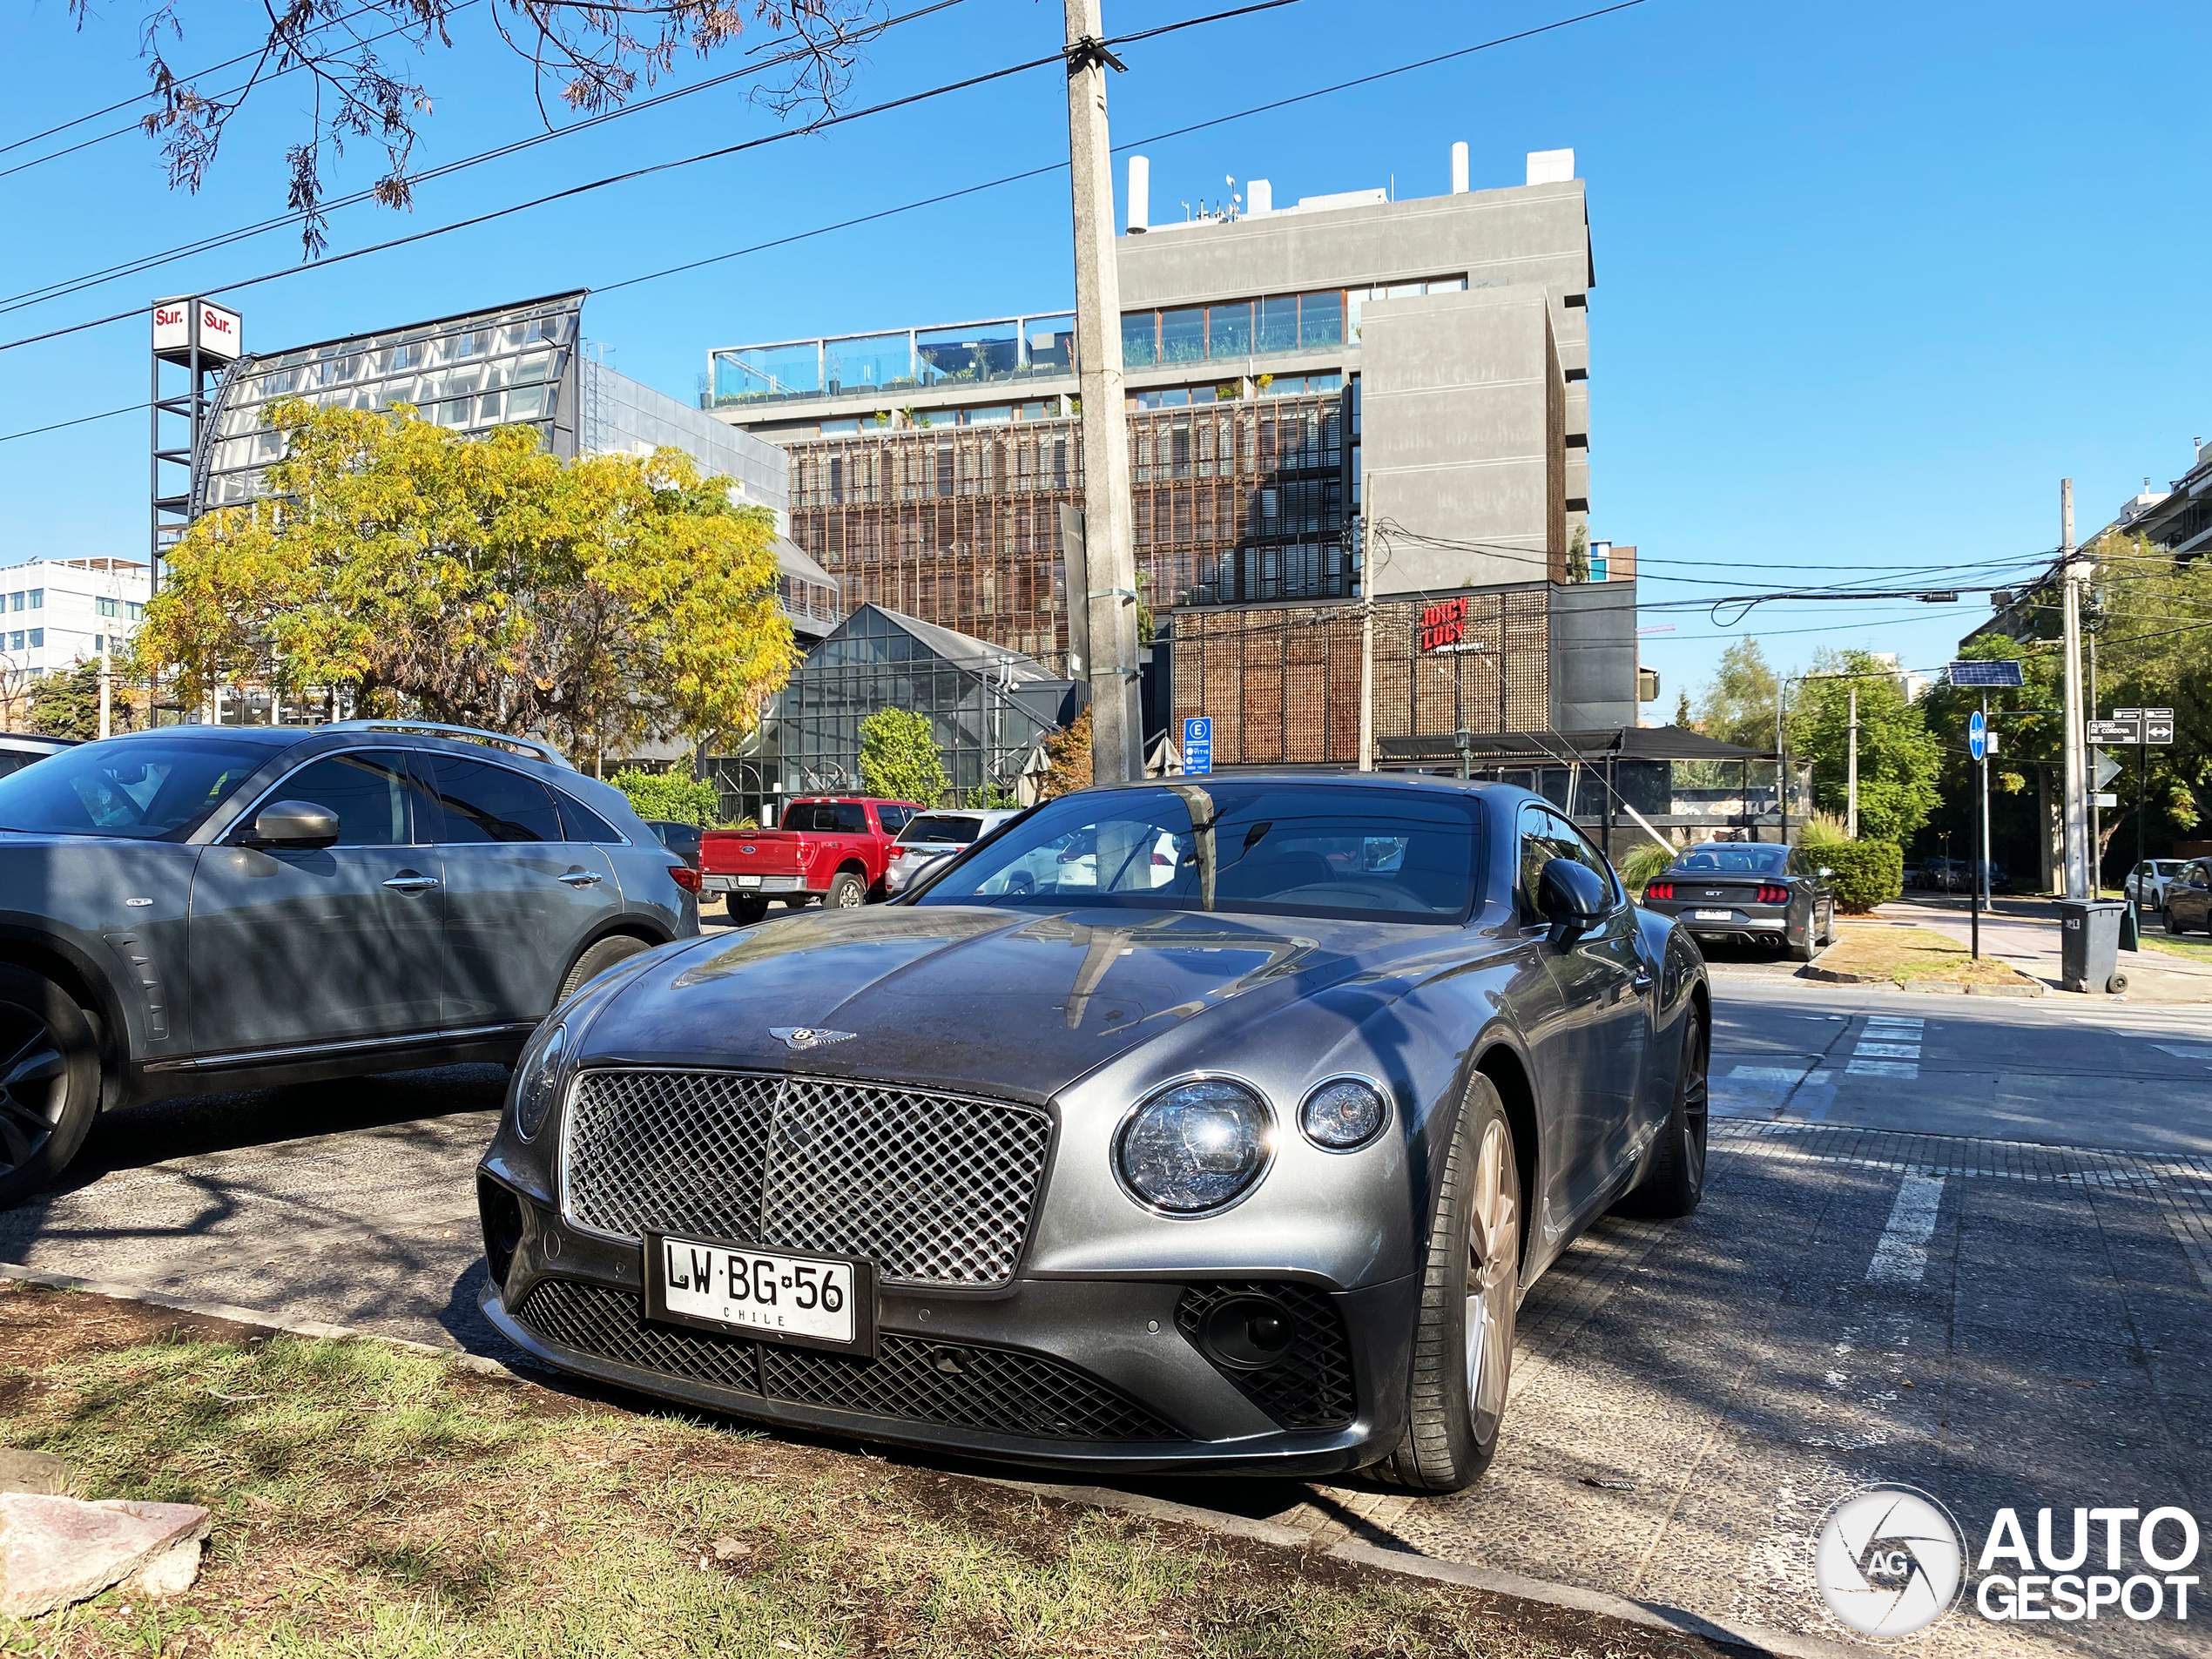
{"points": [[597, 960], [846, 891], [49, 1082]]}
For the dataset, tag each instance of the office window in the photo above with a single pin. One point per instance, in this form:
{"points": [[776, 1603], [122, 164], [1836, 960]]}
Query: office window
{"points": [[15, 602], [99, 645], [38, 639], [1320, 320], [38, 598], [133, 610], [1139, 346], [1229, 330], [107, 607], [1278, 323], [15, 640]]}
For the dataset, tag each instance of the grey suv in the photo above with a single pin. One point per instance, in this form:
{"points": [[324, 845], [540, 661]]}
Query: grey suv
{"points": [[197, 908]]}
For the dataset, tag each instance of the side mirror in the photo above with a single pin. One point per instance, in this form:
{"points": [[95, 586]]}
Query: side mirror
{"points": [[293, 823], [1573, 897]]}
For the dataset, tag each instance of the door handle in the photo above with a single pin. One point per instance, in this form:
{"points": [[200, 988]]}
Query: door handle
{"points": [[412, 883], [1640, 984], [581, 877]]}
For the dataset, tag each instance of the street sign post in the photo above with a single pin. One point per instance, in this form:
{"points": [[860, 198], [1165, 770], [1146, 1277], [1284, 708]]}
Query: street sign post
{"points": [[1978, 736], [2158, 725], [1197, 743], [2116, 734]]}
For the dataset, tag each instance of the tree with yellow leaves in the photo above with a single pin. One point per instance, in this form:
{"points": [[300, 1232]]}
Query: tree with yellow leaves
{"points": [[606, 602]]}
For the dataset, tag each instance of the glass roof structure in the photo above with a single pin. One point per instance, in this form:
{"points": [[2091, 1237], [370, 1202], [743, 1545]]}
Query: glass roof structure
{"points": [[999, 350]]}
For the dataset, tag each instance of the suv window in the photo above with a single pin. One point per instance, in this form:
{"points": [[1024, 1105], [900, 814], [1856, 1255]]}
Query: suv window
{"points": [[371, 792], [895, 819], [483, 801], [580, 823], [941, 826]]}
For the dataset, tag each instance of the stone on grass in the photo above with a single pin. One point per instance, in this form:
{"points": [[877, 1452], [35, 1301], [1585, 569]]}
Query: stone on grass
{"points": [[55, 1551], [33, 1472]]}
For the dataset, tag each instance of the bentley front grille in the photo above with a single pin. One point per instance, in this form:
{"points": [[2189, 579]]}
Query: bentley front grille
{"points": [[992, 1390], [933, 1189]]}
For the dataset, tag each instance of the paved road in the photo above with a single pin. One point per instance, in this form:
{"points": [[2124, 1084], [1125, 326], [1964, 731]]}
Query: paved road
{"points": [[1959, 1242]]}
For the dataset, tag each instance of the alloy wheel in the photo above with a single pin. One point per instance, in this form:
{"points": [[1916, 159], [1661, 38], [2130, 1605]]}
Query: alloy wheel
{"points": [[34, 1084], [1694, 1096], [1494, 1278]]}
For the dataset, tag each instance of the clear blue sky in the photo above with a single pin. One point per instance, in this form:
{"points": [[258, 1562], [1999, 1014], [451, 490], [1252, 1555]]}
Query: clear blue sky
{"points": [[1870, 278]]}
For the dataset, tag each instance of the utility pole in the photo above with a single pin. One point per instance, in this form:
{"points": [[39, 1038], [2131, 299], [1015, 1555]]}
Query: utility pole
{"points": [[1850, 778], [1117, 720], [2077, 765], [1367, 631]]}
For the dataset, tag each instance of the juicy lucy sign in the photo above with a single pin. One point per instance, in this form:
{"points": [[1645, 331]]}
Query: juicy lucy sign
{"points": [[1444, 626], [220, 332]]}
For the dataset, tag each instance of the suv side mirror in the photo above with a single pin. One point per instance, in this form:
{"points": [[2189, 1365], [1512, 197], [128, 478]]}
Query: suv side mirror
{"points": [[1572, 896], [293, 823]]}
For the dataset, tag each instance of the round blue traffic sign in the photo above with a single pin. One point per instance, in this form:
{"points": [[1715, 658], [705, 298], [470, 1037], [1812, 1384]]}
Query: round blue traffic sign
{"points": [[1976, 735]]}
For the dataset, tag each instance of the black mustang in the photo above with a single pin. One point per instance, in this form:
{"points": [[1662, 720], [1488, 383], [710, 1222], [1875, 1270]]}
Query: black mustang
{"points": [[1236, 1142], [1744, 890]]}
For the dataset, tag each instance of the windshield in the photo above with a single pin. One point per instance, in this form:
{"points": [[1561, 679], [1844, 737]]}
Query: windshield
{"points": [[142, 787], [943, 826], [1274, 848], [1735, 861]]}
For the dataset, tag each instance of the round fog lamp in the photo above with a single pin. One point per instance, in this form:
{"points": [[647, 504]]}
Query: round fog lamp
{"points": [[1343, 1113], [540, 1083], [1195, 1147]]}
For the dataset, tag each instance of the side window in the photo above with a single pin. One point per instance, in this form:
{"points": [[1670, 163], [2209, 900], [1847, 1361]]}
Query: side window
{"points": [[371, 792], [893, 819], [481, 800], [851, 819], [580, 823], [1536, 851], [1573, 844]]}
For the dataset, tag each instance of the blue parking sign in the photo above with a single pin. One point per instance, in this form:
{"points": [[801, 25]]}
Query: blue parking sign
{"points": [[1976, 735], [1197, 743]]}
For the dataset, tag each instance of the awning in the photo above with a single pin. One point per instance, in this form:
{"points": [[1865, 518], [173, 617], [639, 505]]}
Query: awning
{"points": [[1619, 743]]}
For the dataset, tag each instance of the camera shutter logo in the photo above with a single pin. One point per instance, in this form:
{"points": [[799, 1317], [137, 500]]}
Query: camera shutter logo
{"points": [[1888, 1561]]}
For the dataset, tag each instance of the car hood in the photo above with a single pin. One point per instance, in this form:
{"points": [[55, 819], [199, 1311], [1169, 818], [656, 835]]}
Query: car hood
{"points": [[1010, 1002]]}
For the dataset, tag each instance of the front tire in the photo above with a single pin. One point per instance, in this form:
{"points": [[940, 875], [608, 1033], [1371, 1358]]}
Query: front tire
{"points": [[1462, 1364], [50, 1082], [1676, 1180]]}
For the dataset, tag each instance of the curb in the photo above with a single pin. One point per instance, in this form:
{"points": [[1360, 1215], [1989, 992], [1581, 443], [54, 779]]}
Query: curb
{"points": [[1405, 1564], [1942, 987], [1651, 1615]]}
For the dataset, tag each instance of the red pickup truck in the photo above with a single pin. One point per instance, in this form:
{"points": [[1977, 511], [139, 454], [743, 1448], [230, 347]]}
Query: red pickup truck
{"points": [[831, 847]]}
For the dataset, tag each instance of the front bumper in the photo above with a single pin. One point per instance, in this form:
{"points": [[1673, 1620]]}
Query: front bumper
{"points": [[1095, 1374]]}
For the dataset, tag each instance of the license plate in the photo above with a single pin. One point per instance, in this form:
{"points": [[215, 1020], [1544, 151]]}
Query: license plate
{"points": [[748, 881], [1713, 915], [805, 1301]]}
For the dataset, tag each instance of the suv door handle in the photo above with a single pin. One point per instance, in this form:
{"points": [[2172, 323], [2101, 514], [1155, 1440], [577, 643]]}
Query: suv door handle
{"points": [[412, 883], [1640, 984], [581, 877]]}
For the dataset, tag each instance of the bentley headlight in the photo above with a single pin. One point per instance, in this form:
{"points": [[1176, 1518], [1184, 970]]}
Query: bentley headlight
{"points": [[1196, 1147], [1343, 1113], [540, 1083]]}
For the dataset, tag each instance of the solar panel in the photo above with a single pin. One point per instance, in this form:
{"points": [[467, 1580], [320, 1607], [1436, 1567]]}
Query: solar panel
{"points": [[2001, 670]]}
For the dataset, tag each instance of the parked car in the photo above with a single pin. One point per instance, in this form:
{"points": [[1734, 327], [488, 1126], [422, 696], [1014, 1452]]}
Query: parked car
{"points": [[20, 749], [831, 847], [683, 839], [930, 836], [1745, 892], [1912, 876], [1071, 860], [2188, 898], [1251, 1167], [200, 908], [2148, 881]]}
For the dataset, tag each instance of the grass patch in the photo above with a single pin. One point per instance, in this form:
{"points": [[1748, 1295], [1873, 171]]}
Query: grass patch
{"points": [[2195, 946], [381, 1504], [1905, 955]]}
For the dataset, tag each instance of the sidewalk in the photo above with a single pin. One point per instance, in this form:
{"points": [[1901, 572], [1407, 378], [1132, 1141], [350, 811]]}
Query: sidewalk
{"points": [[2024, 933]]}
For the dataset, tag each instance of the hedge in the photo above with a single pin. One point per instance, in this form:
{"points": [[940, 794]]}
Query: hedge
{"points": [[1866, 872]]}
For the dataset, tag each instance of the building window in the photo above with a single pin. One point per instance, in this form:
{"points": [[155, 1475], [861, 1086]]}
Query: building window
{"points": [[1139, 340], [38, 639], [133, 610], [15, 640], [15, 602], [108, 607], [38, 598]]}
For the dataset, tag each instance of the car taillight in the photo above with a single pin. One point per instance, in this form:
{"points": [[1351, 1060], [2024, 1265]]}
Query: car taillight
{"points": [[1161, 858], [1660, 890], [1773, 893], [686, 877]]}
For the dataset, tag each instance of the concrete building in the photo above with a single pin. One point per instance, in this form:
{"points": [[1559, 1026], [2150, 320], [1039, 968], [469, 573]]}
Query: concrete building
{"points": [[1418, 367], [2180, 520], [55, 613]]}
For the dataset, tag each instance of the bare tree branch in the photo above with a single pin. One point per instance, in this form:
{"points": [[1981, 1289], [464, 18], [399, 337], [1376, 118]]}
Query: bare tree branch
{"points": [[589, 55]]}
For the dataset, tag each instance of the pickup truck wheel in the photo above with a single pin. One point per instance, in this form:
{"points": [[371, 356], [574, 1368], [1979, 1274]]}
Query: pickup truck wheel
{"points": [[846, 891], [746, 908], [50, 1082]]}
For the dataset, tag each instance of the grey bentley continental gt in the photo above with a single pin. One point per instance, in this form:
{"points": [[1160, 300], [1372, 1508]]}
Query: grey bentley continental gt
{"points": [[1246, 1163]]}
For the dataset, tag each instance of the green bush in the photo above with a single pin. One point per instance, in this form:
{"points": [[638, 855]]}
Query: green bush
{"points": [[1640, 863], [1866, 872], [672, 797], [898, 758]]}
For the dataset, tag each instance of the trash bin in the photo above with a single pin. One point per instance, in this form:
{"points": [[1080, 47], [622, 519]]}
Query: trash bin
{"points": [[2089, 945]]}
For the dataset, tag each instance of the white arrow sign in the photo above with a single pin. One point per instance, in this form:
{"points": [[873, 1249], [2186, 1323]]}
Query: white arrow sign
{"points": [[2107, 769]]}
